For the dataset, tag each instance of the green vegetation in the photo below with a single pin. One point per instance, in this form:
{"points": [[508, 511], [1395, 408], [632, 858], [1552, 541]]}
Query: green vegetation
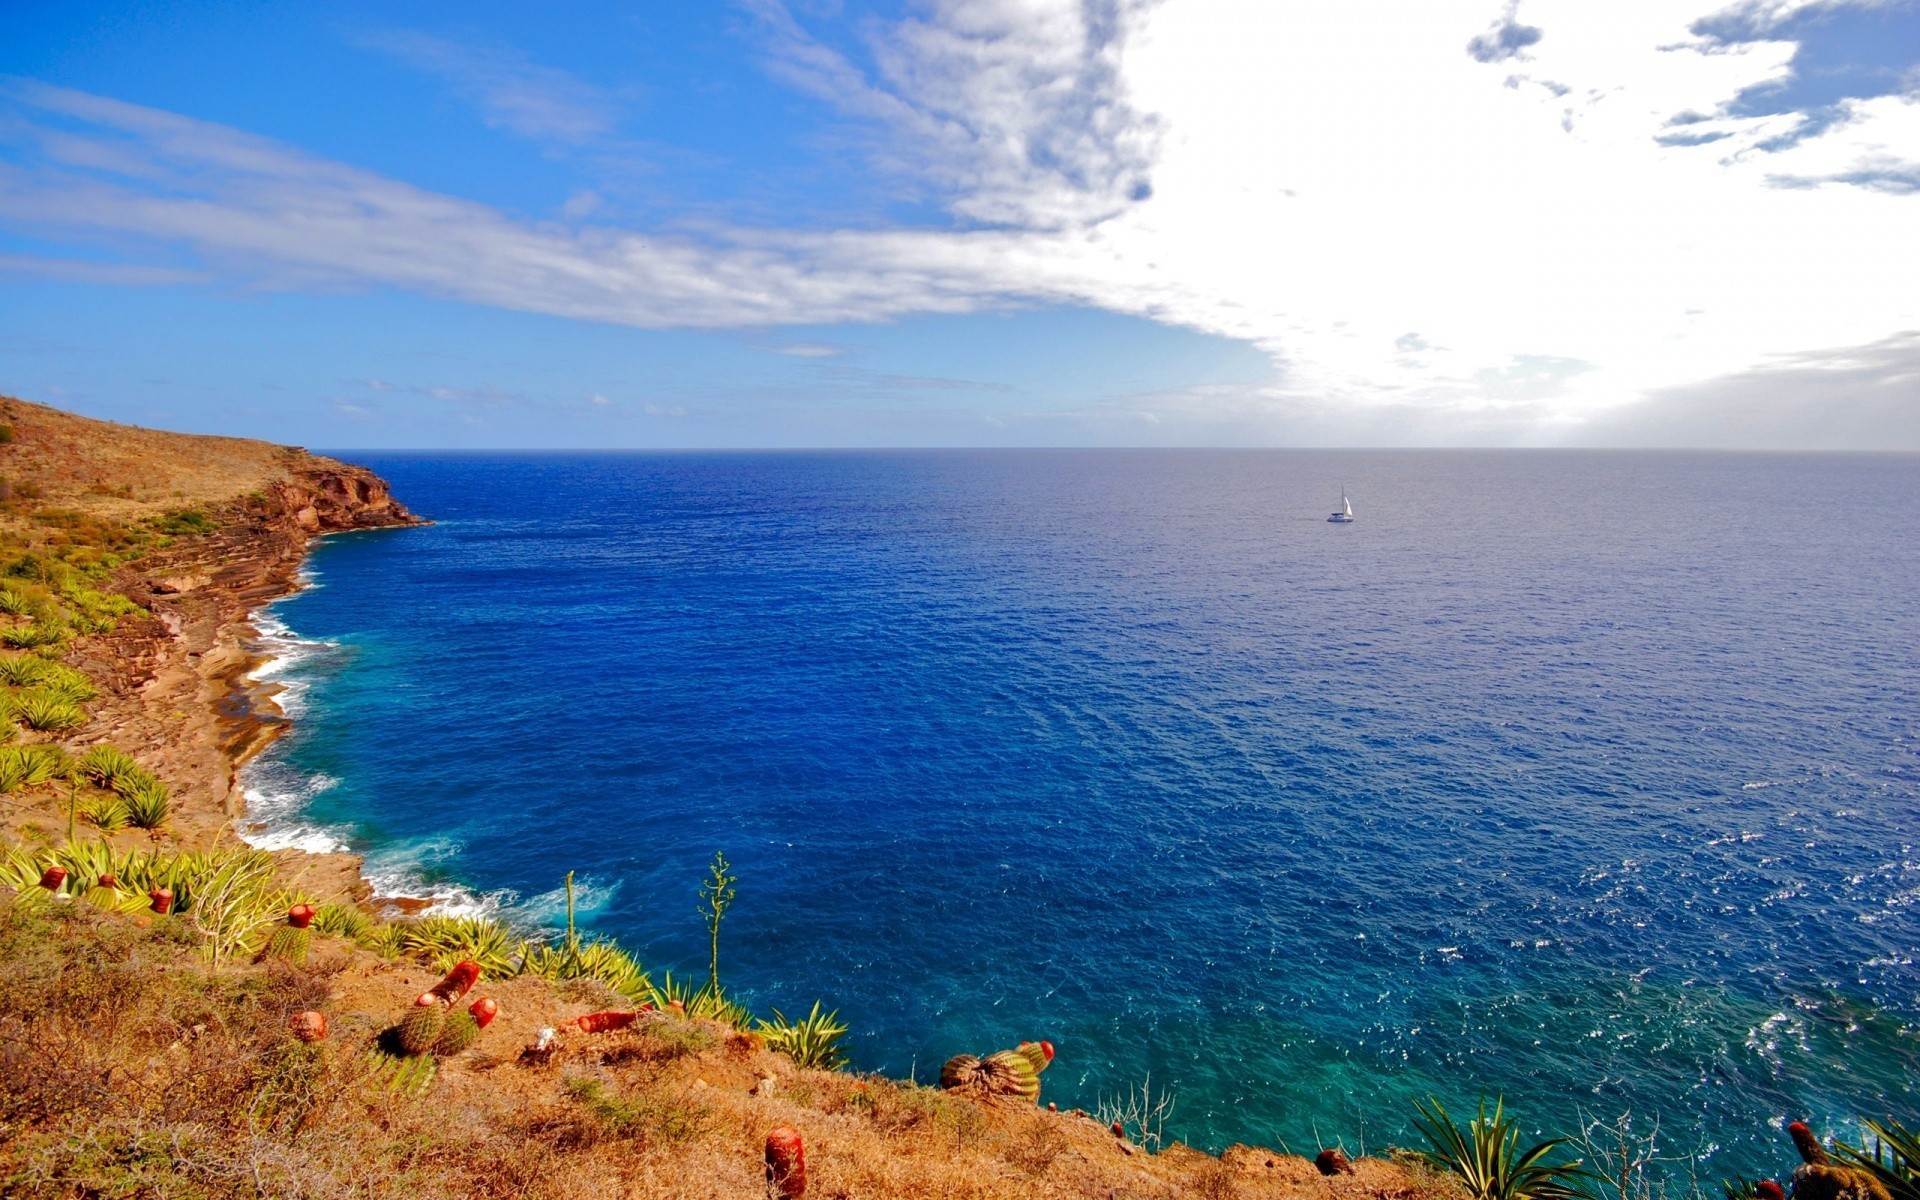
{"points": [[1487, 1158], [716, 897], [813, 1041], [184, 521], [1893, 1158]]}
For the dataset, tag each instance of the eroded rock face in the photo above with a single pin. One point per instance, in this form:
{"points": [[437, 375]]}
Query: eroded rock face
{"points": [[325, 496]]}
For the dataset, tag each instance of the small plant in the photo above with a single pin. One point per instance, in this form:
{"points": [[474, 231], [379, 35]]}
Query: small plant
{"points": [[1893, 1159], [184, 521], [147, 803], [1141, 1113], [48, 713], [1487, 1158], [342, 920], [716, 897], [27, 766], [108, 814], [812, 1042], [32, 637], [107, 766]]}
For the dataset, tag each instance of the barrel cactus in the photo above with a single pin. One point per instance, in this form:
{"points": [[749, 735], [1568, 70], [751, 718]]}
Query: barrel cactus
{"points": [[1004, 1074], [288, 943], [457, 1032], [421, 1029]]}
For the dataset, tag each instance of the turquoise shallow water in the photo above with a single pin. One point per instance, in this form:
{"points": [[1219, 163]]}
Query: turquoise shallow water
{"points": [[1586, 778]]}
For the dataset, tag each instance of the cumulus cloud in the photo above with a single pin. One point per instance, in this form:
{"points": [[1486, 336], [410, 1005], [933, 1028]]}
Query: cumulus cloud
{"points": [[1572, 222], [1505, 39]]}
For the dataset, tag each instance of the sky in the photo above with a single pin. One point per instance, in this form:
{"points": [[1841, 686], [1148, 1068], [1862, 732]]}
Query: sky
{"points": [[799, 223]]}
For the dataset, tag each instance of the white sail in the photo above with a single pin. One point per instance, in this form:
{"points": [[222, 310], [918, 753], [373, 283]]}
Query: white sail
{"points": [[1346, 503]]}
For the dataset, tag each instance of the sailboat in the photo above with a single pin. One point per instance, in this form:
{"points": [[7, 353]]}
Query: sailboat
{"points": [[1344, 514]]}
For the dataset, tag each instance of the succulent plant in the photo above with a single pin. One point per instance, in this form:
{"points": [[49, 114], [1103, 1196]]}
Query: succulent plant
{"points": [[162, 899], [288, 943], [421, 1028], [310, 1026], [458, 1031], [1037, 1053], [484, 1010], [458, 982], [1004, 1074], [602, 1022], [786, 1159], [1820, 1178]]}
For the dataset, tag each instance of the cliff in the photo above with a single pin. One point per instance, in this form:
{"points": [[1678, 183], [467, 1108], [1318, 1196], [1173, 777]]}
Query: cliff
{"points": [[143, 1060]]}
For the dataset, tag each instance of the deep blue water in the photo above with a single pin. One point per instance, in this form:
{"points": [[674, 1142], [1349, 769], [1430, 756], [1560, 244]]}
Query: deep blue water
{"points": [[1587, 778]]}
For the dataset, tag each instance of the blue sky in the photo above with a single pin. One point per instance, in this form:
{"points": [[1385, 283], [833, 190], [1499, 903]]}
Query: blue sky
{"points": [[968, 222]]}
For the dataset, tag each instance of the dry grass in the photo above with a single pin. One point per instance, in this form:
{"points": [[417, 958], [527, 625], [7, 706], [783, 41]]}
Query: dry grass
{"points": [[133, 1069], [115, 472]]}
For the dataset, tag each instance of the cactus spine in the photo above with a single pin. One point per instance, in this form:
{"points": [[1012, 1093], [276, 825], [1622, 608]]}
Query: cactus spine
{"points": [[288, 943], [457, 1032], [422, 1026]]}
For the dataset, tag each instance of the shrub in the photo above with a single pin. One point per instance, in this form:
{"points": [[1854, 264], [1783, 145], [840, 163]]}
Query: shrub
{"points": [[107, 766], [342, 920], [108, 814], [1487, 1158], [31, 637], [1894, 1159], [184, 521], [26, 766], [444, 941], [48, 713], [15, 604], [601, 960], [147, 802], [813, 1041]]}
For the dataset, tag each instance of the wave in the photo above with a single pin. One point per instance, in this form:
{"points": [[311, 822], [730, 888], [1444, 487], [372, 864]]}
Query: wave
{"points": [[278, 795]]}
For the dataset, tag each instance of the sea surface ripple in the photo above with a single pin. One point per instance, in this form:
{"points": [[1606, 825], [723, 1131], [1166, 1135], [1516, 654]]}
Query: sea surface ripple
{"points": [[1586, 778]]}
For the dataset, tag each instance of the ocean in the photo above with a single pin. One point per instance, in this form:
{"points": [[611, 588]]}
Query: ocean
{"points": [[1591, 780]]}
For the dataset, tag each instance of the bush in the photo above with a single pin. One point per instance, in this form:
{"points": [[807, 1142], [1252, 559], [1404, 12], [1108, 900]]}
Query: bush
{"points": [[147, 802], [184, 521], [26, 766], [48, 713], [1487, 1158], [813, 1041], [108, 767]]}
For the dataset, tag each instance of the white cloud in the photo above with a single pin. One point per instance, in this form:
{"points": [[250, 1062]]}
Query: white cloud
{"points": [[512, 92], [1324, 178]]}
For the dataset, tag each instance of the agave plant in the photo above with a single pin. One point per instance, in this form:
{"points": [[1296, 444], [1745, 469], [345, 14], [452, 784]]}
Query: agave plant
{"points": [[706, 1002], [444, 941], [1487, 1158], [813, 1041], [25, 766], [382, 939], [147, 803], [15, 604], [32, 637], [236, 901], [47, 712], [342, 920], [20, 670], [107, 766], [601, 960], [1894, 1158]]}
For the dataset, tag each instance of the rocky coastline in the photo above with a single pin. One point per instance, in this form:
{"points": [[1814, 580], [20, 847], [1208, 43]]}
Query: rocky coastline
{"points": [[176, 684]]}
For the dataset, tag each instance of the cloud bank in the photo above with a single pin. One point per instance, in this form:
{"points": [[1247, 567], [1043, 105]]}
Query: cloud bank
{"points": [[1543, 222]]}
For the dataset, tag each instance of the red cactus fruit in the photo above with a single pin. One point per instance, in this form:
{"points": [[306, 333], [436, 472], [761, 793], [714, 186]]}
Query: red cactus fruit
{"points": [[310, 1026], [1333, 1161], [601, 1022], [301, 915], [786, 1163], [484, 1010], [678, 1007], [1767, 1189], [1119, 1130], [1811, 1151], [458, 982], [1046, 1048], [109, 880], [52, 878], [162, 900]]}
